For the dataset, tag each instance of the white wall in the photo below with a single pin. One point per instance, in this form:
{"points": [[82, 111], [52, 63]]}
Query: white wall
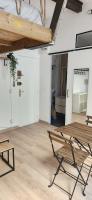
{"points": [[28, 104], [71, 23], [45, 86], [5, 100], [25, 109]]}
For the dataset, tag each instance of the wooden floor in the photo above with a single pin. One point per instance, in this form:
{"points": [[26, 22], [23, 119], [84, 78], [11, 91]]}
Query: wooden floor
{"points": [[34, 168], [79, 117]]}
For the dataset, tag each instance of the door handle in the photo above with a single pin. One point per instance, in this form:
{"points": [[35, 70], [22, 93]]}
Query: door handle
{"points": [[67, 92]]}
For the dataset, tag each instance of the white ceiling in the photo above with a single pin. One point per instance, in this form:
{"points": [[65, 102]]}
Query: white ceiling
{"points": [[86, 1], [50, 5], [87, 4], [49, 2]]}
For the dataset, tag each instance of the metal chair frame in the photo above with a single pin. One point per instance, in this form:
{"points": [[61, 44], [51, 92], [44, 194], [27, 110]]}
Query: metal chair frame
{"points": [[7, 161], [68, 142], [89, 120]]}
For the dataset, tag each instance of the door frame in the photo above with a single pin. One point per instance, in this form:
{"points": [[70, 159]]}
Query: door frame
{"points": [[51, 84], [88, 83]]}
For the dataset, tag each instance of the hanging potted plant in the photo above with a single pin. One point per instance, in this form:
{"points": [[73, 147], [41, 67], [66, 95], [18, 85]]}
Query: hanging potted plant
{"points": [[13, 63]]}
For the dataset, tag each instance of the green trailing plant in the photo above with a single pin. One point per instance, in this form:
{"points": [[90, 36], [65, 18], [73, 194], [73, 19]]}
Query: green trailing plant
{"points": [[13, 63]]}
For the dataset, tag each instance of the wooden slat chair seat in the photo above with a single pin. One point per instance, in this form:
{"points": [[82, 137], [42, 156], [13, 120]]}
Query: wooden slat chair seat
{"points": [[88, 122], [7, 156], [65, 151], [73, 156]]}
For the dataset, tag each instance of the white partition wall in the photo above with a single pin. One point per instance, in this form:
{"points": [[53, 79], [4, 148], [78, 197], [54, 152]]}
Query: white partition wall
{"points": [[78, 59], [5, 97], [45, 86], [28, 103], [15, 110]]}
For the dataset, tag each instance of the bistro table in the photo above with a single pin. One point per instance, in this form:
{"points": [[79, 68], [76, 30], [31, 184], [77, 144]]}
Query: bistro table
{"points": [[81, 133]]}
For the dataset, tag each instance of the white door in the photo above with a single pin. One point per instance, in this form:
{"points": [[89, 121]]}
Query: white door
{"points": [[16, 110], [68, 116], [26, 107], [78, 59], [5, 97]]}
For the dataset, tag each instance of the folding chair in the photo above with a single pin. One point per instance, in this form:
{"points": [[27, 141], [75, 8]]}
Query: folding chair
{"points": [[89, 120], [72, 156]]}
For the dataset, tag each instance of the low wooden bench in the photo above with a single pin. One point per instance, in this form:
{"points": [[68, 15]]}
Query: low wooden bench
{"points": [[3, 139], [5, 149]]}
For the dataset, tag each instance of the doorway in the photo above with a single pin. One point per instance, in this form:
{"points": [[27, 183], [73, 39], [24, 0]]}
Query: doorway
{"points": [[58, 89], [80, 94]]}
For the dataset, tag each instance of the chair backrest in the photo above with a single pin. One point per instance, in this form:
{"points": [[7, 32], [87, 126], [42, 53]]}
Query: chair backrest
{"points": [[89, 120], [68, 147], [59, 139]]}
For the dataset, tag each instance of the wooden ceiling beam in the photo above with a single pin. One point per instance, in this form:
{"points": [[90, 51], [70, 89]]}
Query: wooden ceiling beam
{"points": [[56, 14], [4, 42], [74, 5], [25, 28], [20, 44]]}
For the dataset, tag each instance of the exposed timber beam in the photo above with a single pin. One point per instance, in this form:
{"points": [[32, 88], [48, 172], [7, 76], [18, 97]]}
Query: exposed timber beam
{"points": [[56, 14], [74, 5], [20, 44], [5, 42], [24, 28]]}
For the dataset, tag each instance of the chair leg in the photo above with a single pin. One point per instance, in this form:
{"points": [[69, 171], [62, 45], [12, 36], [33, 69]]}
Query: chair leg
{"points": [[13, 159], [8, 157], [57, 171], [86, 181], [76, 182], [81, 176], [2, 155], [61, 165]]}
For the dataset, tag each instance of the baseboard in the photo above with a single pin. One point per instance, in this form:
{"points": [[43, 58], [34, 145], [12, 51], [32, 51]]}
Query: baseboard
{"points": [[8, 129], [41, 121]]}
